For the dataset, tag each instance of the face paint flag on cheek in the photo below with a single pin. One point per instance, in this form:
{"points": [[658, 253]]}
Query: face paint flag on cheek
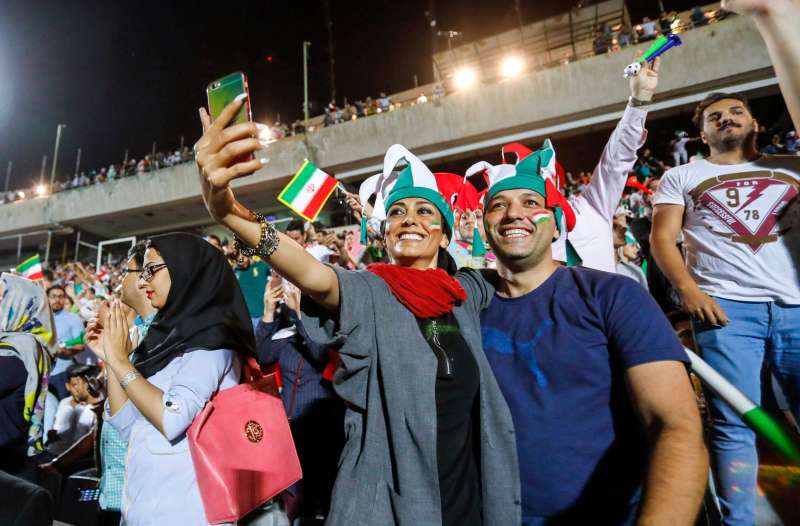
{"points": [[436, 226], [540, 217]]}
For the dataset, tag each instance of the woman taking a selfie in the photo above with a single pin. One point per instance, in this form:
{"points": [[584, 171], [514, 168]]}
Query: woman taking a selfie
{"points": [[429, 436], [192, 349]]}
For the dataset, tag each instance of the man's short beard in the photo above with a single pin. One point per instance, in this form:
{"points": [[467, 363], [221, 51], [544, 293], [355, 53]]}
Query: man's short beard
{"points": [[729, 144]]}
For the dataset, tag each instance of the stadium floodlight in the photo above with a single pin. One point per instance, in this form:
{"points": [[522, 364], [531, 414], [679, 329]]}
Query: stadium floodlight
{"points": [[512, 66], [41, 190], [464, 78]]}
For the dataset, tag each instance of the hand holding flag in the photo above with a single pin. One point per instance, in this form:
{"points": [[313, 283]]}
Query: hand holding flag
{"points": [[308, 191]]}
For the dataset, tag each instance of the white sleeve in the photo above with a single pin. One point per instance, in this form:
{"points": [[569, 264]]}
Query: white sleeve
{"points": [[123, 419], [611, 173], [197, 379], [670, 189], [63, 420]]}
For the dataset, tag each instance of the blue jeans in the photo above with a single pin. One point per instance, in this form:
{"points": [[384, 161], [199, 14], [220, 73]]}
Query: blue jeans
{"points": [[757, 331]]}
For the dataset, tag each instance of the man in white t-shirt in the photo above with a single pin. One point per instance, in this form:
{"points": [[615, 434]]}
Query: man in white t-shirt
{"points": [[740, 219], [740, 216]]}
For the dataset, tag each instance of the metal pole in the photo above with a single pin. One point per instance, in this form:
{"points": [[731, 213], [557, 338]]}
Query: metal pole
{"points": [[331, 60], [78, 162], [306, 45], [153, 152], [44, 165], [19, 247], [518, 9], [8, 176], [572, 36], [47, 248], [416, 81], [77, 244], [430, 15], [55, 155], [181, 148]]}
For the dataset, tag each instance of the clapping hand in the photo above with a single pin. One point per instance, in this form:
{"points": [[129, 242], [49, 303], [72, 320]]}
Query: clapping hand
{"points": [[273, 295], [116, 340], [292, 298], [94, 330]]}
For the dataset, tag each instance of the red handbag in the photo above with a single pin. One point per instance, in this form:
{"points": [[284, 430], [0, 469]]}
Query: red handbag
{"points": [[242, 448]]}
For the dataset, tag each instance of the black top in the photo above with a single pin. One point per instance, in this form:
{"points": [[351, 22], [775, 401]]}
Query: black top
{"points": [[457, 384], [13, 428]]}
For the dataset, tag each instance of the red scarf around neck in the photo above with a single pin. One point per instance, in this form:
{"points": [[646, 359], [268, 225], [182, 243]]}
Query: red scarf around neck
{"points": [[426, 293]]}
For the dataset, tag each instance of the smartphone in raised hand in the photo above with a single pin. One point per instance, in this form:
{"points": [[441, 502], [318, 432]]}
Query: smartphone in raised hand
{"points": [[223, 91]]}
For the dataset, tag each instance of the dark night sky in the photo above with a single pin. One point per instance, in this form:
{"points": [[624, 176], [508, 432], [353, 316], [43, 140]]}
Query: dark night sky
{"points": [[123, 74]]}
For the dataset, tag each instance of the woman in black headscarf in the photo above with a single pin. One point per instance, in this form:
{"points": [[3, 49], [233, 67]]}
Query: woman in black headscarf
{"points": [[193, 349]]}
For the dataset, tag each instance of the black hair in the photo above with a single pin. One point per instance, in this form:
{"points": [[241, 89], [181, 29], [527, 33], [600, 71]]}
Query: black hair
{"points": [[137, 253], [54, 287], [79, 370], [711, 98], [295, 225], [215, 237], [446, 262], [48, 274]]}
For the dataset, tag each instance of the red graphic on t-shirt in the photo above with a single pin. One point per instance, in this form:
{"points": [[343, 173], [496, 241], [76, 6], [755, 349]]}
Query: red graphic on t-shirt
{"points": [[750, 206]]}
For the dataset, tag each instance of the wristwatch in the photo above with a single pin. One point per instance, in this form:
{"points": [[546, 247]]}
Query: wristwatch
{"points": [[633, 102]]}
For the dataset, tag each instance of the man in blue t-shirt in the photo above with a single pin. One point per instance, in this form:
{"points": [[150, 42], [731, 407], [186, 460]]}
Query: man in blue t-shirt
{"points": [[606, 422], [69, 329]]}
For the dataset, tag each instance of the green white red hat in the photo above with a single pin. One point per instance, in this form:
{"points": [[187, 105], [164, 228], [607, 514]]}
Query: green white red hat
{"points": [[414, 180], [537, 171]]}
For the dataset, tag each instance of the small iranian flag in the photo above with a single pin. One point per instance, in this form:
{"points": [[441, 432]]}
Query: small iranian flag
{"points": [[308, 191], [31, 268]]}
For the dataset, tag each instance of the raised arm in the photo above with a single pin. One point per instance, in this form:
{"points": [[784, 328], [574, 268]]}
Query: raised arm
{"points": [[777, 21], [619, 155], [219, 154]]}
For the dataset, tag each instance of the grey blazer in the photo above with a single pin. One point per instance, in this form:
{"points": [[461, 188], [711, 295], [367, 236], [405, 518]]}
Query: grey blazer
{"points": [[388, 473]]}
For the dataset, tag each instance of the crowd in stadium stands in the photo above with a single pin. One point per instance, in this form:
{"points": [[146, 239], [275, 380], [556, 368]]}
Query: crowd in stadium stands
{"points": [[336, 114], [613, 38], [608, 39], [127, 168], [380, 372]]}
